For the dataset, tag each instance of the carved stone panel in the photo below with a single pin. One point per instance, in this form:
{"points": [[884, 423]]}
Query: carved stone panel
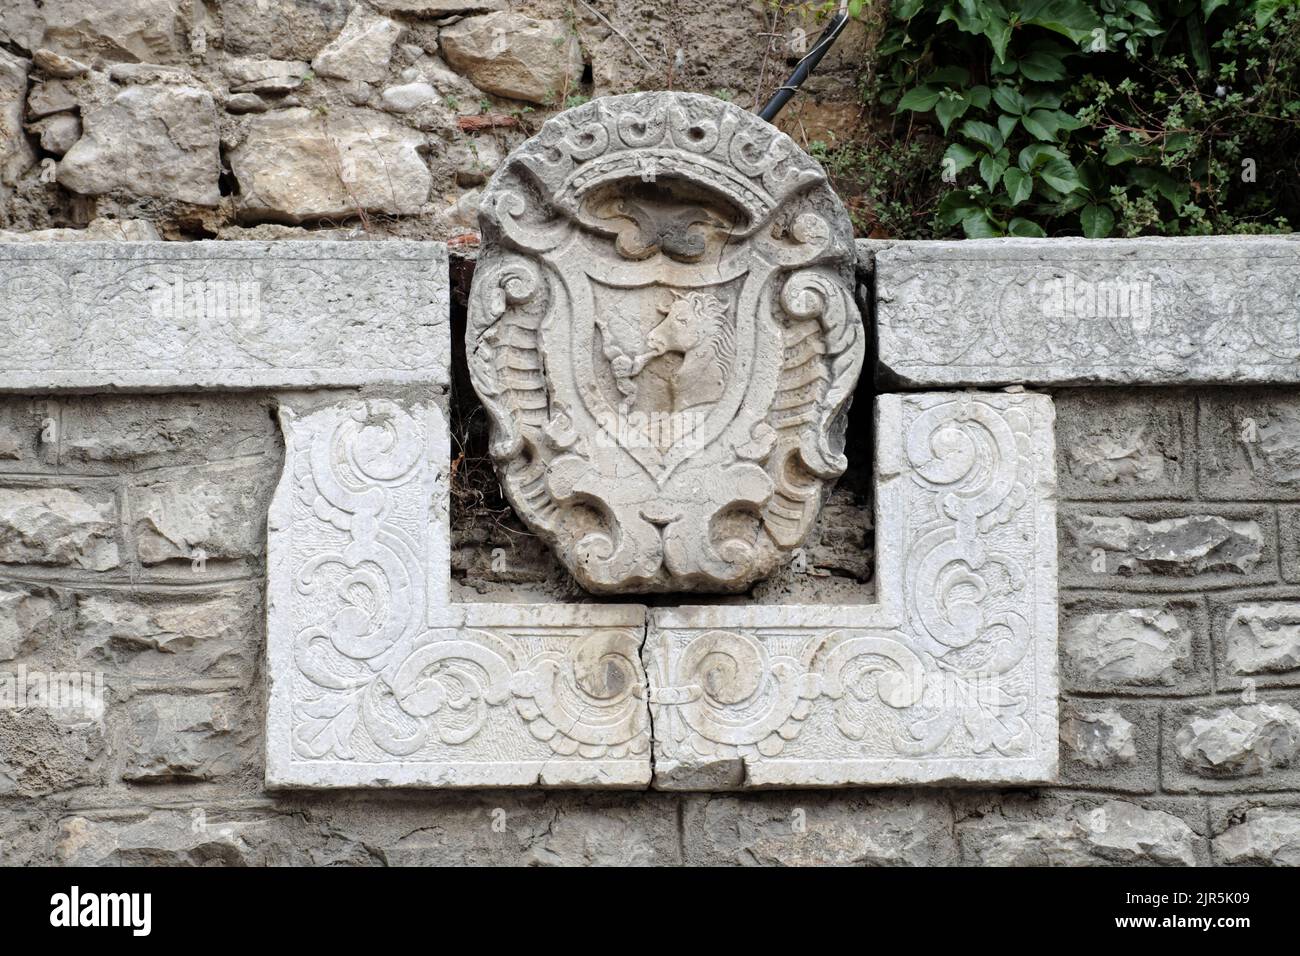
{"points": [[376, 679], [662, 329], [950, 677]]}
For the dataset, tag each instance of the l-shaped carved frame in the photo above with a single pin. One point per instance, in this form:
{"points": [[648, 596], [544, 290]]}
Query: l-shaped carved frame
{"points": [[378, 679]]}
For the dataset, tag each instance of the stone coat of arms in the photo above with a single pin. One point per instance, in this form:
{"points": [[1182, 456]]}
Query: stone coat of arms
{"points": [[662, 329]]}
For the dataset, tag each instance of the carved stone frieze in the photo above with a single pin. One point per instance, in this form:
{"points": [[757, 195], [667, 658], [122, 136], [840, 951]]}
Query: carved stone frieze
{"points": [[662, 329]]}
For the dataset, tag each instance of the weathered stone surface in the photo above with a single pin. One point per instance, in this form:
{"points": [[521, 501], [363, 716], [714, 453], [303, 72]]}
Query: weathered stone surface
{"points": [[58, 133], [161, 636], [669, 427], [1062, 311], [223, 314], [250, 75], [97, 230], [1249, 444], [1101, 739], [1132, 647], [516, 56], [176, 738], [291, 31], [414, 691], [151, 31], [362, 51], [1262, 638], [197, 837], [58, 66], [751, 696], [1265, 837], [16, 154], [29, 618], [45, 751], [1240, 741], [50, 96], [159, 141], [1195, 546], [898, 828], [1115, 833], [437, 8], [59, 526], [1125, 445], [408, 97], [240, 103], [296, 165], [201, 513]]}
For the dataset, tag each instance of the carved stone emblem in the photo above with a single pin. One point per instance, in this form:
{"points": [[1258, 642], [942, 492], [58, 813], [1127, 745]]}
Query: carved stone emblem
{"points": [[663, 331]]}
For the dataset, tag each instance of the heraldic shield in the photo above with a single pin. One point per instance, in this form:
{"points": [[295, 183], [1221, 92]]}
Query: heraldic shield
{"points": [[663, 331]]}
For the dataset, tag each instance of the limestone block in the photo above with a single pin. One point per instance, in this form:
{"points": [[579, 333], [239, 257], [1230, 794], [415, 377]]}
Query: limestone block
{"points": [[1101, 739], [290, 31], [205, 512], [1248, 740], [1114, 833], [512, 55], [185, 738], [1118, 648], [1261, 638], [1111, 745], [148, 31], [1065, 311], [1131, 446], [362, 50], [29, 619], [58, 133], [159, 141], [296, 165], [229, 315], [376, 680], [952, 676], [47, 750], [437, 8], [16, 154], [1249, 444], [59, 526], [1264, 837], [666, 369], [250, 75]]}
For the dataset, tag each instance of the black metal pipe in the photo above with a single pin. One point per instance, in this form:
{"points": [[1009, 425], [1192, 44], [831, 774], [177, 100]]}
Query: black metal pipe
{"points": [[809, 63]]}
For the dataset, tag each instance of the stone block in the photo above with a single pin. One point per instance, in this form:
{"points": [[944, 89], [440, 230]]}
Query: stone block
{"points": [[178, 738], [788, 696], [1260, 836], [230, 315], [1125, 445], [69, 527], [1257, 639], [1163, 547], [985, 312], [48, 750], [201, 513], [1145, 644], [1110, 745], [1086, 833], [29, 620], [516, 56], [1249, 444], [171, 636], [1227, 745]]}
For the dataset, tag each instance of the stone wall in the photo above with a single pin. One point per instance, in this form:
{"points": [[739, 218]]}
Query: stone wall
{"points": [[270, 118], [131, 543]]}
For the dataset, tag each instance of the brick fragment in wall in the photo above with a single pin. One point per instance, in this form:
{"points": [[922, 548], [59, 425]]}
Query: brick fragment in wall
{"points": [[72, 527], [1150, 643], [1257, 639], [1110, 745], [187, 738], [29, 620], [112, 433], [884, 828], [46, 750], [1114, 444], [212, 512], [1261, 836], [200, 836], [1249, 444], [1103, 545], [1086, 832], [1224, 745], [171, 635]]}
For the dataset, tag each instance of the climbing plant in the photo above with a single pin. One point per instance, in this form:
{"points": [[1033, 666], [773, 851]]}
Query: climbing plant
{"points": [[1080, 117]]}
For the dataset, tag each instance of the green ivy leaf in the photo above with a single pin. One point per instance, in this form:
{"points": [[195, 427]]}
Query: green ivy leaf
{"points": [[921, 99], [1042, 67], [1009, 100], [960, 156], [1060, 175], [982, 133], [949, 109], [1006, 124], [1041, 124], [978, 226], [991, 170], [1097, 221], [955, 206]]}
